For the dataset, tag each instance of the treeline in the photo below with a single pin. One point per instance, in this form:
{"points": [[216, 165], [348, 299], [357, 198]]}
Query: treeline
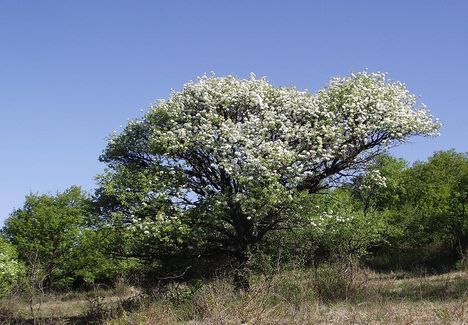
{"points": [[393, 217]]}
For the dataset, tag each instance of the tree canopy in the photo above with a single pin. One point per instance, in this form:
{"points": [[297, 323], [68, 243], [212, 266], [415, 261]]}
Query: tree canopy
{"points": [[225, 159]]}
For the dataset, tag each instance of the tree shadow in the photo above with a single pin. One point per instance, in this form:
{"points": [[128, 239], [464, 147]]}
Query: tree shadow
{"points": [[97, 313], [427, 288]]}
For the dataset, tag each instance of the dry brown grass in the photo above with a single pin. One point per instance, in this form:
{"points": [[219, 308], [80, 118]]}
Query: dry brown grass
{"points": [[326, 296], [291, 298], [389, 312]]}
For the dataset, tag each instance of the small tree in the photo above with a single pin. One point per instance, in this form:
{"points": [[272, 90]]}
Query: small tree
{"points": [[47, 232], [223, 161]]}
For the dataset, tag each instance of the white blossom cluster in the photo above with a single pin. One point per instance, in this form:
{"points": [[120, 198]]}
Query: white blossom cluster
{"points": [[252, 130], [161, 227], [372, 179], [325, 218], [9, 271], [7, 265]]}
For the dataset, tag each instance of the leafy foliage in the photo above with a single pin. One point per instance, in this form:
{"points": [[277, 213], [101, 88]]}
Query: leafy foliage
{"points": [[426, 211], [51, 236]]}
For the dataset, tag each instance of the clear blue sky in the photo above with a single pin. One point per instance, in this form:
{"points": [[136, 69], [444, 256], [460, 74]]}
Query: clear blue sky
{"points": [[73, 71]]}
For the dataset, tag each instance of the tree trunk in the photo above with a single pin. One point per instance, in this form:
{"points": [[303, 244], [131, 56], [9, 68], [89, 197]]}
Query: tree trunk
{"points": [[242, 241], [241, 280]]}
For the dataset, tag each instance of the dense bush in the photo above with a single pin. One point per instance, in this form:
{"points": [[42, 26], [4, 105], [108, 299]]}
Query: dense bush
{"points": [[426, 213], [54, 239], [333, 227]]}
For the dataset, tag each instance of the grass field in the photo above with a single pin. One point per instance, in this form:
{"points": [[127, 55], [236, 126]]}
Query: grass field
{"points": [[293, 296]]}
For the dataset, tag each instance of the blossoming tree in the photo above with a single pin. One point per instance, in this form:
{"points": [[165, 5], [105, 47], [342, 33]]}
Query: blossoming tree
{"points": [[227, 158]]}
